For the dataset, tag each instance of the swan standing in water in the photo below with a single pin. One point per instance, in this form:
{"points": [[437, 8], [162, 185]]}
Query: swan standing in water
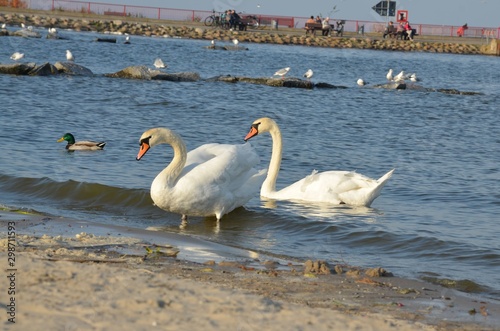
{"points": [[336, 187], [212, 179]]}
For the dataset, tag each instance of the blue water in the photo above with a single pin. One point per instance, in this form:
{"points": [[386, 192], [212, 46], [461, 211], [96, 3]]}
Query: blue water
{"points": [[437, 215]]}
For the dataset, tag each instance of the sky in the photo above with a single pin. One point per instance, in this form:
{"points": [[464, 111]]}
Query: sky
{"points": [[477, 13]]}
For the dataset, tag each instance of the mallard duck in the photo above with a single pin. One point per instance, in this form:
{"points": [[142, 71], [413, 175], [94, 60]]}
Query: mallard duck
{"points": [[81, 145]]}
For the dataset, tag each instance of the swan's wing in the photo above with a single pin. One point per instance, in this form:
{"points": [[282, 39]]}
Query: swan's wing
{"points": [[221, 164], [335, 187]]}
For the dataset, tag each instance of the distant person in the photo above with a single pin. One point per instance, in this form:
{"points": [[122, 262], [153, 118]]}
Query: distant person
{"points": [[409, 30], [234, 20], [461, 30], [390, 30], [311, 20], [325, 26], [318, 19]]}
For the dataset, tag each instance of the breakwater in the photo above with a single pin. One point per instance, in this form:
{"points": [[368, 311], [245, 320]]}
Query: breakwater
{"points": [[289, 37]]}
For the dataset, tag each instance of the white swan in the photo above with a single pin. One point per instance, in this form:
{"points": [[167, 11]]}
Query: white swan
{"points": [[336, 187], [212, 179]]}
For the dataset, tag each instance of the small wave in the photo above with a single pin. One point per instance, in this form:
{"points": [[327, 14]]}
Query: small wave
{"points": [[77, 194]]}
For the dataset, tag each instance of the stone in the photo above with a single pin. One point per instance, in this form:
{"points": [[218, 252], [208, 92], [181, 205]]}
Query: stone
{"points": [[17, 68], [45, 69], [71, 68], [132, 72]]}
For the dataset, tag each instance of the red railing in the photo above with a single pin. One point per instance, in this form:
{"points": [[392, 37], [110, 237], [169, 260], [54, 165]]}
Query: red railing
{"points": [[273, 21]]}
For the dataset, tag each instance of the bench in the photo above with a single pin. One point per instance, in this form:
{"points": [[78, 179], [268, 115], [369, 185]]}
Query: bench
{"points": [[313, 27], [246, 22], [115, 13], [391, 32], [404, 36]]}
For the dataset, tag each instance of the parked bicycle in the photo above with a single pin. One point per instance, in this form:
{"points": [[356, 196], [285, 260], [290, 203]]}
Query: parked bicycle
{"points": [[215, 20]]}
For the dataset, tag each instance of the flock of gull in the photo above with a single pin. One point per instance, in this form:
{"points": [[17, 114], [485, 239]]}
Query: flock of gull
{"points": [[159, 64]]}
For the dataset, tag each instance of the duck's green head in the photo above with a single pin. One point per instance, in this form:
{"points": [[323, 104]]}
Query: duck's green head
{"points": [[68, 137]]}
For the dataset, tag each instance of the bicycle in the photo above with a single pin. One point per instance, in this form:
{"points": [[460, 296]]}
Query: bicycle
{"points": [[212, 19], [215, 20]]}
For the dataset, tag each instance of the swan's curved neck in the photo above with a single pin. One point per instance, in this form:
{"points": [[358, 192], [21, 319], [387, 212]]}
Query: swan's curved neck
{"points": [[169, 175], [269, 184]]}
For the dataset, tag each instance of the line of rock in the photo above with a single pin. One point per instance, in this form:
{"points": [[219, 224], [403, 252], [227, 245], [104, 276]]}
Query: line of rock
{"points": [[273, 37]]}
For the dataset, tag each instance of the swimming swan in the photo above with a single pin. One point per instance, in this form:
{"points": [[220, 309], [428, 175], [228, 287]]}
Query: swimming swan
{"points": [[212, 179], [336, 187]]}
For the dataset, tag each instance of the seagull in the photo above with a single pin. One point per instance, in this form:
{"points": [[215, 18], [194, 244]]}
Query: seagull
{"points": [[309, 73], [52, 31], [17, 56], [159, 64], [282, 72], [389, 75], [69, 56], [361, 82], [213, 42], [399, 77], [236, 42], [23, 26], [127, 40], [4, 26], [413, 77]]}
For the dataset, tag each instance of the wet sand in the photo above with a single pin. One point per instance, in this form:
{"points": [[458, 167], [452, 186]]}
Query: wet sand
{"points": [[78, 275]]}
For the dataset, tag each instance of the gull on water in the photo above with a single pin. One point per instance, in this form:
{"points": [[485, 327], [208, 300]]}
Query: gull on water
{"points": [[389, 75], [309, 73], [4, 26], [236, 41], [127, 40], [17, 56], [361, 82], [69, 56], [52, 30], [23, 26], [159, 64], [282, 72], [213, 42]]}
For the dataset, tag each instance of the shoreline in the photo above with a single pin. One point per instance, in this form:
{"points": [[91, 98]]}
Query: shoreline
{"points": [[159, 279], [285, 36]]}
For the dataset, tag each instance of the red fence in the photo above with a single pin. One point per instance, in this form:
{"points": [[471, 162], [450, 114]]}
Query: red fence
{"points": [[274, 21]]}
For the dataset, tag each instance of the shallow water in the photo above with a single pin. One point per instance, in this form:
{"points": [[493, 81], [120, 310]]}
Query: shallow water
{"points": [[437, 215]]}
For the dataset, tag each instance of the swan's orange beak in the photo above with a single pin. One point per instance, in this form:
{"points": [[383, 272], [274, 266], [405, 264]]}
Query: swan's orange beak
{"points": [[144, 148], [253, 132]]}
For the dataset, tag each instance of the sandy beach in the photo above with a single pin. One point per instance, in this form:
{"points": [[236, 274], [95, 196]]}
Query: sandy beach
{"points": [[76, 275]]}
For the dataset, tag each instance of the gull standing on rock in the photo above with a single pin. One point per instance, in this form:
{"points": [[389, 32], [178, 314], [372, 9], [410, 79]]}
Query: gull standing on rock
{"points": [[399, 77], [159, 64], [309, 73], [17, 56], [4, 26], [282, 72], [236, 42], [69, 56], [389, 75]]}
